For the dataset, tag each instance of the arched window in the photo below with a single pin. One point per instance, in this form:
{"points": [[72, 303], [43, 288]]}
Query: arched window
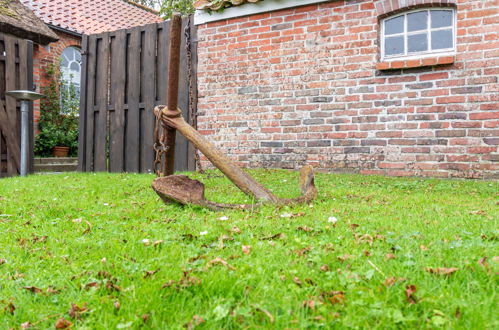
{"points": [[70, 74], [418, 33]]}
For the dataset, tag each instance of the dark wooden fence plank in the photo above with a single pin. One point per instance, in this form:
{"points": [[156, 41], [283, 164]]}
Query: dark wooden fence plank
{"points": [[101, 86], [83, 107], [11, 103], [90, 103], [132, 137], [117, 117], [149, 97]]}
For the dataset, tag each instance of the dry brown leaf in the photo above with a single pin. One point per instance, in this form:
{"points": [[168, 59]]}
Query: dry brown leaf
{"points": [[367, 253], [273, 237], [76, 311], [441, 270], [88, 229], [297, 281], [111, 286], [196, 320], [63, 324], [234, 230], [344, 257], [267, 313], [117, 305], [310, 304], [305, 229], [2, 261], [246, 249], [103, 274], [423, 248], [10, 308], [334, 297], [409, 293], [483, 262], [150, 273], [52, 290], [354, 226], [392, 280], [220, 261], [324, 268], [303, 251], [390, 256], [91, 285], [145, 317], [33, 289], [366, 238], [26, 325]]}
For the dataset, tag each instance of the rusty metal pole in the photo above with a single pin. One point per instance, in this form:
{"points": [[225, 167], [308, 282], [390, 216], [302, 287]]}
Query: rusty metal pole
{"points": [[173, 81]]}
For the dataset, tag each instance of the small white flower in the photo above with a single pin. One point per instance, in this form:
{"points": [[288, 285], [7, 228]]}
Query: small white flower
{"points": [[224, 218], [332, 220], [146, 241], [203, 233], [54, 199], [286, 215], [106, 204]]}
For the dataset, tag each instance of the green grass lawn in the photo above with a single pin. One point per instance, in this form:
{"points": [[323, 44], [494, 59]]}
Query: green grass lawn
{"points": [[106, 243]]}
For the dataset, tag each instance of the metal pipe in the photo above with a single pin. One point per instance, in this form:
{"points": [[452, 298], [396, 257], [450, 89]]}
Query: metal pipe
{"points": [[173, 77], [24, 137]]}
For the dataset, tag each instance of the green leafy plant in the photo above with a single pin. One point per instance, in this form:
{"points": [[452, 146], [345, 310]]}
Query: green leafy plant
{"points": [[58, 123]]}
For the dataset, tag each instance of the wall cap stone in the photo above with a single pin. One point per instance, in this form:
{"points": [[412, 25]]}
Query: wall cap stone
{"points": [[201, 16]]}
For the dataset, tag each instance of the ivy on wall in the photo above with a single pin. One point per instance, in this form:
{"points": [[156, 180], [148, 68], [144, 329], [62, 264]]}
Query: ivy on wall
{"points": [[219, 5]]}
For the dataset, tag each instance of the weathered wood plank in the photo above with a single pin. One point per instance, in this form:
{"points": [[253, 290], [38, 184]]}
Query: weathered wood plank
{"points": [[12, 141], [117, 117], [90, 103], [102, 87], [191, 163], [132, 137], [10, 102], [163, 59], [148, 97], [82, 135]]}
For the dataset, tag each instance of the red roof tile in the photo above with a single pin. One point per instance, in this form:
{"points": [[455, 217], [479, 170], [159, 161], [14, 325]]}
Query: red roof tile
{"points": [[91, 16]]}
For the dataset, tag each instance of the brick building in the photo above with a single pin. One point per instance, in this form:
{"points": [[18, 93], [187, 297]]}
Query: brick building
{"points": [[69, 19], [393, 87]]}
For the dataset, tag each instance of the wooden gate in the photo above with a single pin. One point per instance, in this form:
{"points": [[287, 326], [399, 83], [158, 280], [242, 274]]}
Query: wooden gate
{"points": [[124, 76], [16, 72]]}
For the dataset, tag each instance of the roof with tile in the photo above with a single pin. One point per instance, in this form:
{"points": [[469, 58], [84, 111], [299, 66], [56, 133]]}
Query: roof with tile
{"points": [[91, 16]]}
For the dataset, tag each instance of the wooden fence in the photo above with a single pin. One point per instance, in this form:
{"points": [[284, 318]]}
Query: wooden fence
{"points": [[16, 72], [124, 76]]}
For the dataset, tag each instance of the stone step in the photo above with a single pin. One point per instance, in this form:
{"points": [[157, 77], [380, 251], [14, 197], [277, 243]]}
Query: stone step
{"points": [[68, 167], [56, 160]]}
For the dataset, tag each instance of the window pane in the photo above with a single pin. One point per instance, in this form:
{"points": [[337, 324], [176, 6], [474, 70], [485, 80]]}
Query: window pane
{"points": [[394, 25], [394, 45], [77, 56], [75, 67], [64, 62], [441, 18], [417, 21], [442, 39], [417, 42]]}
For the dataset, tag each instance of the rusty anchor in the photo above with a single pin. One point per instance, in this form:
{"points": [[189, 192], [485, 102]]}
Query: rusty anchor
{"points": [[182, 189]]}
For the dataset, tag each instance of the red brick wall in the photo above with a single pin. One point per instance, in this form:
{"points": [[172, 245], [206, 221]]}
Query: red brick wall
{"points": [[301, 85], [43, 57]]}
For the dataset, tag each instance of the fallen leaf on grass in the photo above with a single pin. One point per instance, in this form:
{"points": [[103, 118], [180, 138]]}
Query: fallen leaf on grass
{"points": [[483, 262], [354, 226], [145, 317], [246, 249], [303, 251], [366, 238], [40, 239], [196, 320], [33, 289], [273, 237], [150, 273], [2, 261], [267, 313], [392, 280], [409, 293], [423, 248], [305, 229], [220, 261], [297, 281], [79, 220], [344, 257], [292, 215], [10, 308], [117, 305], [52, 290], [89, 228], [104, 274], [63, 324], [111, 286], [324, 268], [441, 270], [235, 230], [76, 311], [334, 297], [389, 256], [91, 285], [310, 304], [26, 325], [185, 282]]}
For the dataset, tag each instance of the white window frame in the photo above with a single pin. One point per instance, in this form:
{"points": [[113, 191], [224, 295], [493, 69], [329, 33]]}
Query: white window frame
{"points": [[429, 29]]}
